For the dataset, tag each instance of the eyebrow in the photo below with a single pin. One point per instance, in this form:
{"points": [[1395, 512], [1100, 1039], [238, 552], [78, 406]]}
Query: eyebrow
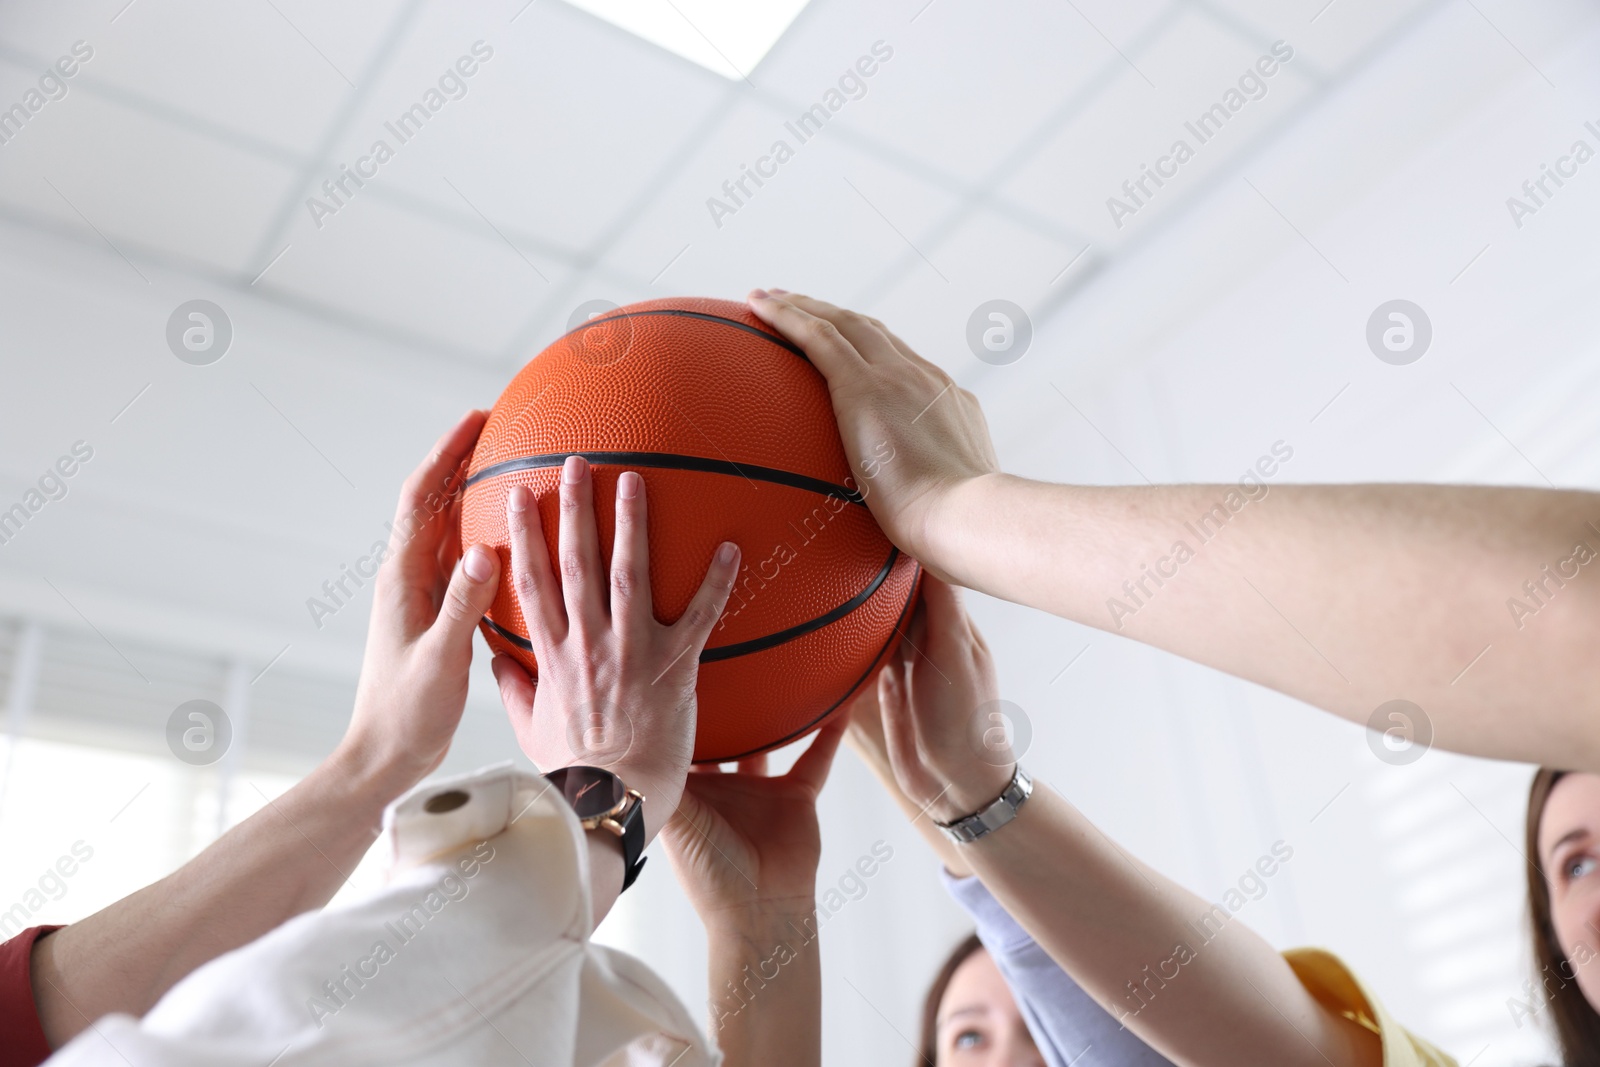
{"points": [[1570, 835], [973, 1009]]}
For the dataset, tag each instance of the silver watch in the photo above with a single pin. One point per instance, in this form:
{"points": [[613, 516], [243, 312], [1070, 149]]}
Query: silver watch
{"points": [[991, 817]]}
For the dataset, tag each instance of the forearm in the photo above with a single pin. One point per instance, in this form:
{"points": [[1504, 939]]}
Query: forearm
{"points": [[766, 985], [288, 858], [1191, 981], [1345, 597]]}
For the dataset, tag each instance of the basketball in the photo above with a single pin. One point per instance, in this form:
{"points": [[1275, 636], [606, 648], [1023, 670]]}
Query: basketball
{"points": [[732, 430]]}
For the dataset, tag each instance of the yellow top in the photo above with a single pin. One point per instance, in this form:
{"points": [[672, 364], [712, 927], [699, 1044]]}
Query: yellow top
{"points": [[1328, 980]]}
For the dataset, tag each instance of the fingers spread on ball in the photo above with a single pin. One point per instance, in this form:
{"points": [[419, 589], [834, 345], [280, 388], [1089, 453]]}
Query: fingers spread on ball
{"points": [[821, 341], [581, 588], [533, 579], [709, 600], [630, 558]]}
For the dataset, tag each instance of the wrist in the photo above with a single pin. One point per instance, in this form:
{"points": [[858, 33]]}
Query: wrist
{"points": [[662, 789], [364, 777], [972, 792], [941, 530], [758, 922], [379, 747]]}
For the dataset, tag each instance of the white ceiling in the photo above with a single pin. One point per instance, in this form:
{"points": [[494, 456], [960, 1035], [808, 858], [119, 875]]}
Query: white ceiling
{"points": [[581, 157]]}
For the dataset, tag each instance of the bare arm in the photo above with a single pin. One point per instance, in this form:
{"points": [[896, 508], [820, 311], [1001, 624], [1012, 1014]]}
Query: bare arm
{"points": [[293, 855], [1185, 976], [1198, 986], [1346, 597], [1343, 596], [775, 1023], [290, 857], [745, 847]]}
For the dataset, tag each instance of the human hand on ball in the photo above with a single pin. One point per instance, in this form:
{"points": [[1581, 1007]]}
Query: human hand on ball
{"points": [[905, 424], [616, 688]]}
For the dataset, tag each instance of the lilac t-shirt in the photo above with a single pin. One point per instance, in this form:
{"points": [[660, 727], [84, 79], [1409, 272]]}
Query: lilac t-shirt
{"points": [[1070, 1029]]}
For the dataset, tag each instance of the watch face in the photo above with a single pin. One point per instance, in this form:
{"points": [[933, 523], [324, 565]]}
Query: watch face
{"points": [[590, 790]]}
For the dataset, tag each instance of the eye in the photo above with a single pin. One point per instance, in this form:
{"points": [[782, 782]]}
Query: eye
{"points": [[1577, 867], [968, 1039]]}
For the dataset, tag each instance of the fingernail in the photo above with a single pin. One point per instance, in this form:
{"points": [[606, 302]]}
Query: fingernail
{"points": [[477, 564], [759, 294], [627, 486], [519, 499], [780, 292], [726, 553], [573, 470]]}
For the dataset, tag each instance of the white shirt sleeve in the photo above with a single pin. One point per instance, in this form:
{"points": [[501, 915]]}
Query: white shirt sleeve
{"points": [[476, 952]]}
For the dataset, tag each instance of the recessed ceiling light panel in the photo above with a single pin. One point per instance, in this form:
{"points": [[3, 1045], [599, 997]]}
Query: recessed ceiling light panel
{"points": [[726, 36]]}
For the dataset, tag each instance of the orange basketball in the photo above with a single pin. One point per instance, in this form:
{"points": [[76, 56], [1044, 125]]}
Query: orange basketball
{"points": [[732, 431]]}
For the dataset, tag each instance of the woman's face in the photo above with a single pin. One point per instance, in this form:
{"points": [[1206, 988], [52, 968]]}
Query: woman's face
{"points": [[979, 1024], [1569, 851]]}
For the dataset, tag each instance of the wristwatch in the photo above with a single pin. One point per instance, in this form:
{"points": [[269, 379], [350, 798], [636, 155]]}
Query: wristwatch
{"points": [[995, 814], [601, 801]]}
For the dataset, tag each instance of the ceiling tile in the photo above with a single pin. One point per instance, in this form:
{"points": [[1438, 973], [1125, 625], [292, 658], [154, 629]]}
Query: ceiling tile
{"points": [[962, 86], [1327, 35], [551, 140], [141, 182], [1193, 67], [463, 291], [991, 258], [830, 218], [276, 72]]}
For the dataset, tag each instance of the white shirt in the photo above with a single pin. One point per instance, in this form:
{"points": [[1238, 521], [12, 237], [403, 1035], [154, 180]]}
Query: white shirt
{"points": [[476, 952]]}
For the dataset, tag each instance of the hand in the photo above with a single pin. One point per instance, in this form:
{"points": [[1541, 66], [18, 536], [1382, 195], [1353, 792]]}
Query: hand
{"points": [[745, 842], [616, 687], [944, 744], [427, 600], [865, 737], [907, 428]]}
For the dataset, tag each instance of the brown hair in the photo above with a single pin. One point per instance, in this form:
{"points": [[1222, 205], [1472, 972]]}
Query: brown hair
{"points": [[928, 1053], [1577, 1024]]}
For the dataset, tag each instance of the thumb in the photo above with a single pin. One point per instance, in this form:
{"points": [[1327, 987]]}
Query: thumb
{"points": [[684, 826], [900, 735], [516, 689], [470, 593]]}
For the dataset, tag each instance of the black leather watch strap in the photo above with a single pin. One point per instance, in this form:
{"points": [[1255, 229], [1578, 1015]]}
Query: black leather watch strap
{"points": [[632, 844]]}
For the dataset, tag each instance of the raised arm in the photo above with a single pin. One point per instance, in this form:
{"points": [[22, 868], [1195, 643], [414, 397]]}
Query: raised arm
{"points": [[295, 853], [1474, 603], [745, 847], [1182, 974]]}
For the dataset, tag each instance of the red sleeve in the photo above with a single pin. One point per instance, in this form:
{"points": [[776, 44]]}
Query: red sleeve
{"points": [[25, 1045]]}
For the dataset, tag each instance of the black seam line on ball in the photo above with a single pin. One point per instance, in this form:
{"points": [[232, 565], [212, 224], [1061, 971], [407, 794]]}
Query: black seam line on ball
{"points": [[516, 639], [759, 644], [675, 462], [905, 612], [782, 342]]}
